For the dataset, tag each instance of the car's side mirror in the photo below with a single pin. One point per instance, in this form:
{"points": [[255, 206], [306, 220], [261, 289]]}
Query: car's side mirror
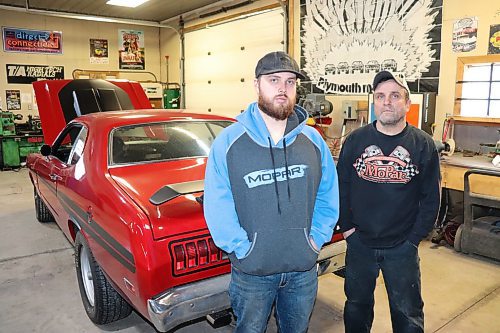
{"points": [[45, 150]]}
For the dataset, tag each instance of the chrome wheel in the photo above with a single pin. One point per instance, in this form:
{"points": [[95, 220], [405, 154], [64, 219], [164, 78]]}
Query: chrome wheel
{"points": [[87, 277]]}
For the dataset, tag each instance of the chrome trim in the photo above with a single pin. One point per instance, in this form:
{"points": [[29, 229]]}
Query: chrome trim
{"points": [[188, 302], [196, 300], [332, 257]]}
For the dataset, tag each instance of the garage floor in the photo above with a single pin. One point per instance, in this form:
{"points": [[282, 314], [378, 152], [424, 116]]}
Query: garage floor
{"points": [[39, 292]]}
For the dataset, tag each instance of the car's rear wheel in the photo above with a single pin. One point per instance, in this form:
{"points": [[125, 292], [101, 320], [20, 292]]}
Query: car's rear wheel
{"points": [[102, 302], [43, 213]]}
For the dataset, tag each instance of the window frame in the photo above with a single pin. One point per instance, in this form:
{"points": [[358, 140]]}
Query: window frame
{"points": [[462, 62]]}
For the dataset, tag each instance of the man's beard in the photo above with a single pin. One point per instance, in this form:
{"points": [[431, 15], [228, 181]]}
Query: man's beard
{"points": [[280, 112], [392, 121]]}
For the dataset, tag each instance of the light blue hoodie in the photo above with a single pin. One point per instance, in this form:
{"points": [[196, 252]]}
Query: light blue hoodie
{"points": [[264, 201]]}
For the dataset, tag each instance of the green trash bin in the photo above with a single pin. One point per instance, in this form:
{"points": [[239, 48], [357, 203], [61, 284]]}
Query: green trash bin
{"points": [[171, 98]]}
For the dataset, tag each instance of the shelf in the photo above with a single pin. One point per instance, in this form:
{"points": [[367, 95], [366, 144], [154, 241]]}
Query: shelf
{"points": [[476, 120]]}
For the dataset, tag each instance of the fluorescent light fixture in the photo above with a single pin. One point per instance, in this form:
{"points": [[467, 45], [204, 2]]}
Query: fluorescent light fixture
{"points": [[126, 3]]}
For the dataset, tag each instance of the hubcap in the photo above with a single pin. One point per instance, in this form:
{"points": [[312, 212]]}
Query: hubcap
{"points": [[86, 272]]}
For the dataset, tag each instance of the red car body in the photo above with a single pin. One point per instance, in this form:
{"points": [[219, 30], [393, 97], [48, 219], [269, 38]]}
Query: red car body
{"points": [[140, 218]]}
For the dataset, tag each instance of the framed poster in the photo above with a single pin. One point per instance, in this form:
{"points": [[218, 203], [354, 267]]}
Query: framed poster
{"points": [[99, 51], [131, 49], [13, 99]]}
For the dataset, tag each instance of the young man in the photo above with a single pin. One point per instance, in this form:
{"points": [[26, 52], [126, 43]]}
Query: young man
{"points": [[271, 202], [389, 198]]}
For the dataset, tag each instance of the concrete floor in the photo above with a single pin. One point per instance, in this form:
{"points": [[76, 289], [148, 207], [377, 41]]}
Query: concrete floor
{"points": [[39, 292]]}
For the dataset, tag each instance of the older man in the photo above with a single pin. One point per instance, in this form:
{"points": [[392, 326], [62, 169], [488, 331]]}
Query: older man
{"points": [[389, 197]]}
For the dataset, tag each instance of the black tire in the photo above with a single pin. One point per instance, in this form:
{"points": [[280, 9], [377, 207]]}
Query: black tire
{"points": [[43, 213], [102, 303]]}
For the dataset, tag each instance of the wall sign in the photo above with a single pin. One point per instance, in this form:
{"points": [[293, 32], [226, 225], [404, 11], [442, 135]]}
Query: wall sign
{"points": [[25, 74], [32, 41], [494, 40], [13, 99], [464, 37], [99, 51], [345, 42], [131, 49]]}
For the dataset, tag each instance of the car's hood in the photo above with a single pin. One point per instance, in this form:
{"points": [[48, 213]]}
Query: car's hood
{"points": [[175, 213]]}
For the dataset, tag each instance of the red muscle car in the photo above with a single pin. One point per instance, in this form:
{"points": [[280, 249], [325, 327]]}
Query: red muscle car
{"points": [[126, 189]]}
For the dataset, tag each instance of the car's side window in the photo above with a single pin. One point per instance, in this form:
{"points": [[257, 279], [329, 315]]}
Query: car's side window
{"points": [[77, 150], [63, 146]]}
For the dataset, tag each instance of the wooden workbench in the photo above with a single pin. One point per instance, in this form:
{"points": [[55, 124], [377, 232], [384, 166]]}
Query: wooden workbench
{"points": [[453, 169]]}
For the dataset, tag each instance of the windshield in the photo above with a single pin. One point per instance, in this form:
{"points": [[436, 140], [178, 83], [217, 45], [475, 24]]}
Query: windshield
{"points": [[163, 141]]}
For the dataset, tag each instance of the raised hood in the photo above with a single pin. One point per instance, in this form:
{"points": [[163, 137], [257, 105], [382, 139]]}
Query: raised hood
{"points": [[167, 193]]}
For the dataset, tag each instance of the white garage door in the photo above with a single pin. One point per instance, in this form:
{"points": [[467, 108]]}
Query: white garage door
{"points": [[220, 62]]}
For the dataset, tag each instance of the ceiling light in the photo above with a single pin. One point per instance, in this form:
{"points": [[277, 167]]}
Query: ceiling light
{"points": [[126, 3]]}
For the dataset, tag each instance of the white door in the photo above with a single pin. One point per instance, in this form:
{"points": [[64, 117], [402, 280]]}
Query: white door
{"points": [[220, 62]]}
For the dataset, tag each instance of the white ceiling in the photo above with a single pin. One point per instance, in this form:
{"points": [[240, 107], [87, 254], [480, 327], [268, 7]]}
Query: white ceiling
{"points": [[153, 11]]}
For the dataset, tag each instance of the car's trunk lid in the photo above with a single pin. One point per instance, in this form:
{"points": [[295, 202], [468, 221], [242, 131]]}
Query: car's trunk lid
{"points": [[167, 192]]}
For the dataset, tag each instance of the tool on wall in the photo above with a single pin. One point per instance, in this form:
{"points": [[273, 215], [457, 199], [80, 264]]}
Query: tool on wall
{"points": [[447, 145]]}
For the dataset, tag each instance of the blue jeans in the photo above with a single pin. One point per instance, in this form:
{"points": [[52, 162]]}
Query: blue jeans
{"points": [[401, 271], [252, 298]]}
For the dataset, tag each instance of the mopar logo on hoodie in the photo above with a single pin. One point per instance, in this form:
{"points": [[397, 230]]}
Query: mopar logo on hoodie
{"points": [[264, 177]]}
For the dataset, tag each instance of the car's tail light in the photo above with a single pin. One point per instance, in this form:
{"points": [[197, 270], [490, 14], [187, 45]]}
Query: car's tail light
{"points": [[203, 252], [194, 254], [180, 257], [215, 253]]}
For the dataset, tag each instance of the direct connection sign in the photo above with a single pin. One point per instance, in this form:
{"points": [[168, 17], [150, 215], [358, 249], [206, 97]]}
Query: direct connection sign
{"points": [[32, 41]]}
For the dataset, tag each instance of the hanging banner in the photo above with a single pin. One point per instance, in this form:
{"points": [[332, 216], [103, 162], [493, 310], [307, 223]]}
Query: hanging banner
{"points": [[131, 49], [26, 74], [99, 51], [494, 40], [32, 41], [464, 35], [345, 42], [13, 99]]}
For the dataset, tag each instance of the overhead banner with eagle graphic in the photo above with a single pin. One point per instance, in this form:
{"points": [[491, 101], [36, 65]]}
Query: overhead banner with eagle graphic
{"points": [[345, 42]]}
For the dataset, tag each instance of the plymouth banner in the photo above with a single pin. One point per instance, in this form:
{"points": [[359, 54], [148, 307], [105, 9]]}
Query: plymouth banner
{"points": [[345, 42], [31, 41]]}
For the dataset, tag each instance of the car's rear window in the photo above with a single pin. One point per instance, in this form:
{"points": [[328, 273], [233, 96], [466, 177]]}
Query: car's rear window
{"points": [[163, 141]]}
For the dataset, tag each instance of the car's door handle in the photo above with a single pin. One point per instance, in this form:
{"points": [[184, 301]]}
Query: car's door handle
{"points": [[54, 177]]}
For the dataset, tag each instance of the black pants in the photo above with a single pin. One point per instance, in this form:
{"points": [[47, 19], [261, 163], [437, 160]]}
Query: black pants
{"points": [[401, 271]]}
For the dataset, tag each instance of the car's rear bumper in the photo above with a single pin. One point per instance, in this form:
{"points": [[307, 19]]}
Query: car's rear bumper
{"points": [[332, 257], [181, 304], [188, 302]]}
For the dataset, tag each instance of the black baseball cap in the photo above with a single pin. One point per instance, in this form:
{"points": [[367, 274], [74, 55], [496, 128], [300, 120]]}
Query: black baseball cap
{"points": [[276, 62], [385, 76]]}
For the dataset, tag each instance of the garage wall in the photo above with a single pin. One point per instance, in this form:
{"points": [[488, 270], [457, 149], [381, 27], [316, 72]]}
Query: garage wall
{"points": [[488, 13], [75, 35], [220, 71]]}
